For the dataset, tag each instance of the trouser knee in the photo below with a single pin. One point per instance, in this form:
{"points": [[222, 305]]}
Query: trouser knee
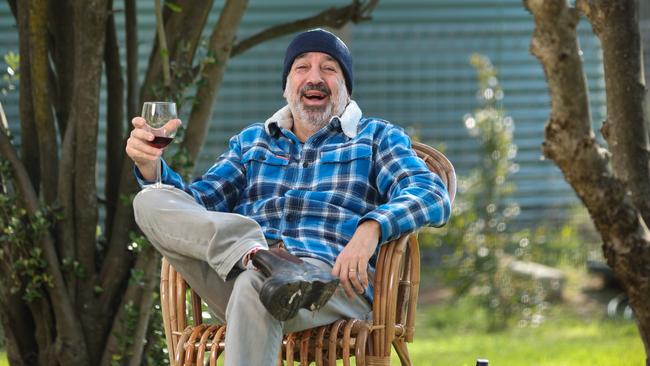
{"points": [[144, 204]]}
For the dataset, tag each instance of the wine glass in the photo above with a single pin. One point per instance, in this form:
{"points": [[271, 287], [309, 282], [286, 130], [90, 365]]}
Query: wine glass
{"points": [[157, 114]]}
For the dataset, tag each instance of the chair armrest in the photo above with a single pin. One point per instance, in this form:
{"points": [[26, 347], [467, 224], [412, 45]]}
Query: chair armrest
{"points": [[390, 263]]}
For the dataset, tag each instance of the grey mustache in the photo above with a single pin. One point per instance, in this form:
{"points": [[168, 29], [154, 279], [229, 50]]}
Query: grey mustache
{"points": [[318, 87]]}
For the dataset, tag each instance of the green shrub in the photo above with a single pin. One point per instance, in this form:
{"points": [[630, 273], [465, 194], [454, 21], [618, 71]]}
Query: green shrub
{"points": [[476, 240]]}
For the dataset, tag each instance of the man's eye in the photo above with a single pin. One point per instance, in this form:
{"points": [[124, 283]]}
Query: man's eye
{"points": [[301, 67]]}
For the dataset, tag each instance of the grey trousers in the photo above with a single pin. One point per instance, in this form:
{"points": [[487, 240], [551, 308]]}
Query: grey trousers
{"points": [[204, 246]]}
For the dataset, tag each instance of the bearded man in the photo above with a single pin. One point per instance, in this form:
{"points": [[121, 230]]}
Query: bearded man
{"points": [[281, 233]]}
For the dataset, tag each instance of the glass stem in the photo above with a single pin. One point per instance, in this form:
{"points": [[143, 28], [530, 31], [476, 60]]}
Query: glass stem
{"points": [[159, 173]]}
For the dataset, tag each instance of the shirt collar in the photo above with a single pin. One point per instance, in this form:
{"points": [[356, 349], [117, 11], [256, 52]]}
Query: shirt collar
{"points": [[349, 120]]}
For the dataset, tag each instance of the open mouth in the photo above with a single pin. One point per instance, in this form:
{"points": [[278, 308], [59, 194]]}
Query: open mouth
{"points": [[314, 95]]}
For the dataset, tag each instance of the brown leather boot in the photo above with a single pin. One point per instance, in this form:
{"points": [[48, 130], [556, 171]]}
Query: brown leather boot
{"points": [[292, 283]]}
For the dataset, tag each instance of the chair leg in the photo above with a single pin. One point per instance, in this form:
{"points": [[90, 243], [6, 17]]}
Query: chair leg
{"points": [[402, 352]]}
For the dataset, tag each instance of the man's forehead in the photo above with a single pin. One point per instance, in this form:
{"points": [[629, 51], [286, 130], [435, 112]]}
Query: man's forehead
{"points": [[327, 56]]}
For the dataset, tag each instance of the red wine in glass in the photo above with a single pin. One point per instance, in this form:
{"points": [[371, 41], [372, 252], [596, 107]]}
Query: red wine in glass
{"points": [[160, 141], [157, 115]]}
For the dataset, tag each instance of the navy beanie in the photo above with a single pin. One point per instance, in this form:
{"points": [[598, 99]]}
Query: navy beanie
{"points": [[319, 40]]}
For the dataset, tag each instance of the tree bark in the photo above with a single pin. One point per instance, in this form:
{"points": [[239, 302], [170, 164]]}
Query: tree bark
{"points": [[90, 21], [162, 42], [65, 229], [570, 142], [29, 152], [616, 23], [41, 101], [62, 53], [114, 120], [132, 73]]}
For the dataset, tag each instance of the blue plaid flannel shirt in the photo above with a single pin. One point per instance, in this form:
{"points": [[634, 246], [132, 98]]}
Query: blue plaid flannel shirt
{"points": [[312, 196]]}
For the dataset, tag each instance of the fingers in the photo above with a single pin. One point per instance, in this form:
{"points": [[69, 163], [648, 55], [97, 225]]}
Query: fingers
{"points": [[138, 122], [137, 146], [354, 279], [172, 125], [353, 276], [140, 152]]}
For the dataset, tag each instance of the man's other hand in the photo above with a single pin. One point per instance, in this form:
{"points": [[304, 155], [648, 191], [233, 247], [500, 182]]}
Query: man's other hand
{"points": [[351, 265]]}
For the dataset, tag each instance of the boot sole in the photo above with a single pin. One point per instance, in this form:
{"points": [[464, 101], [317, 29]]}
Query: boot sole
{"points": [[284, 299]]}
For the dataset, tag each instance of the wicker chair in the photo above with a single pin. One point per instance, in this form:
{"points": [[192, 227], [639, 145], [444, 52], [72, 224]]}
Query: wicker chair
{"points": [[396, 285]]}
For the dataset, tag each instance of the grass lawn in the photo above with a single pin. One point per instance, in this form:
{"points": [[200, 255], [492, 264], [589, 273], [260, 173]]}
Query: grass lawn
{"points": [[565, 342]]}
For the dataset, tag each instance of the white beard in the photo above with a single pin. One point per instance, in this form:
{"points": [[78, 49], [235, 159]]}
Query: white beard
{"points": [[316, 117]]}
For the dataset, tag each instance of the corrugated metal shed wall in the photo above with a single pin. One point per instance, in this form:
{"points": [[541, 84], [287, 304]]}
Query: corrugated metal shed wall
{"points": [[411, 66]]}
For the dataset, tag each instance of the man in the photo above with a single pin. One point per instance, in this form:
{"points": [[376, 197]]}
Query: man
{"points": [[329, 185]]}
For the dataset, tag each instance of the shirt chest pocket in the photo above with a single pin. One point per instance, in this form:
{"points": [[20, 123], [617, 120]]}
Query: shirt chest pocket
{"points": [[265, 171], [346, 169], [346, 154]]}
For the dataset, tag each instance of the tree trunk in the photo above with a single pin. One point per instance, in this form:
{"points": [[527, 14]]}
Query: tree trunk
{"points": [[90, 27], [612, 191]]}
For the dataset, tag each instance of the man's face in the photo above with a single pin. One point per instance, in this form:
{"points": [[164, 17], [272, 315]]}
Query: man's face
{"points": [[315, 89]]}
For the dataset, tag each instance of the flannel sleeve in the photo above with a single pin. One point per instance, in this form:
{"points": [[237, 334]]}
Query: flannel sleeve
{"points": [[413, 195], [219, 188]]}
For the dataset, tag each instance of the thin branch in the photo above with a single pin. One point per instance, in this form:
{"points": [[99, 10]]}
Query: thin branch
{"points": [[66, 226], [62, 53], [14, 8], [131, 25], [162, 41], [151, 270], [333, 18], [183, 32], [136, 293], [221, 42], [117, 262]]}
